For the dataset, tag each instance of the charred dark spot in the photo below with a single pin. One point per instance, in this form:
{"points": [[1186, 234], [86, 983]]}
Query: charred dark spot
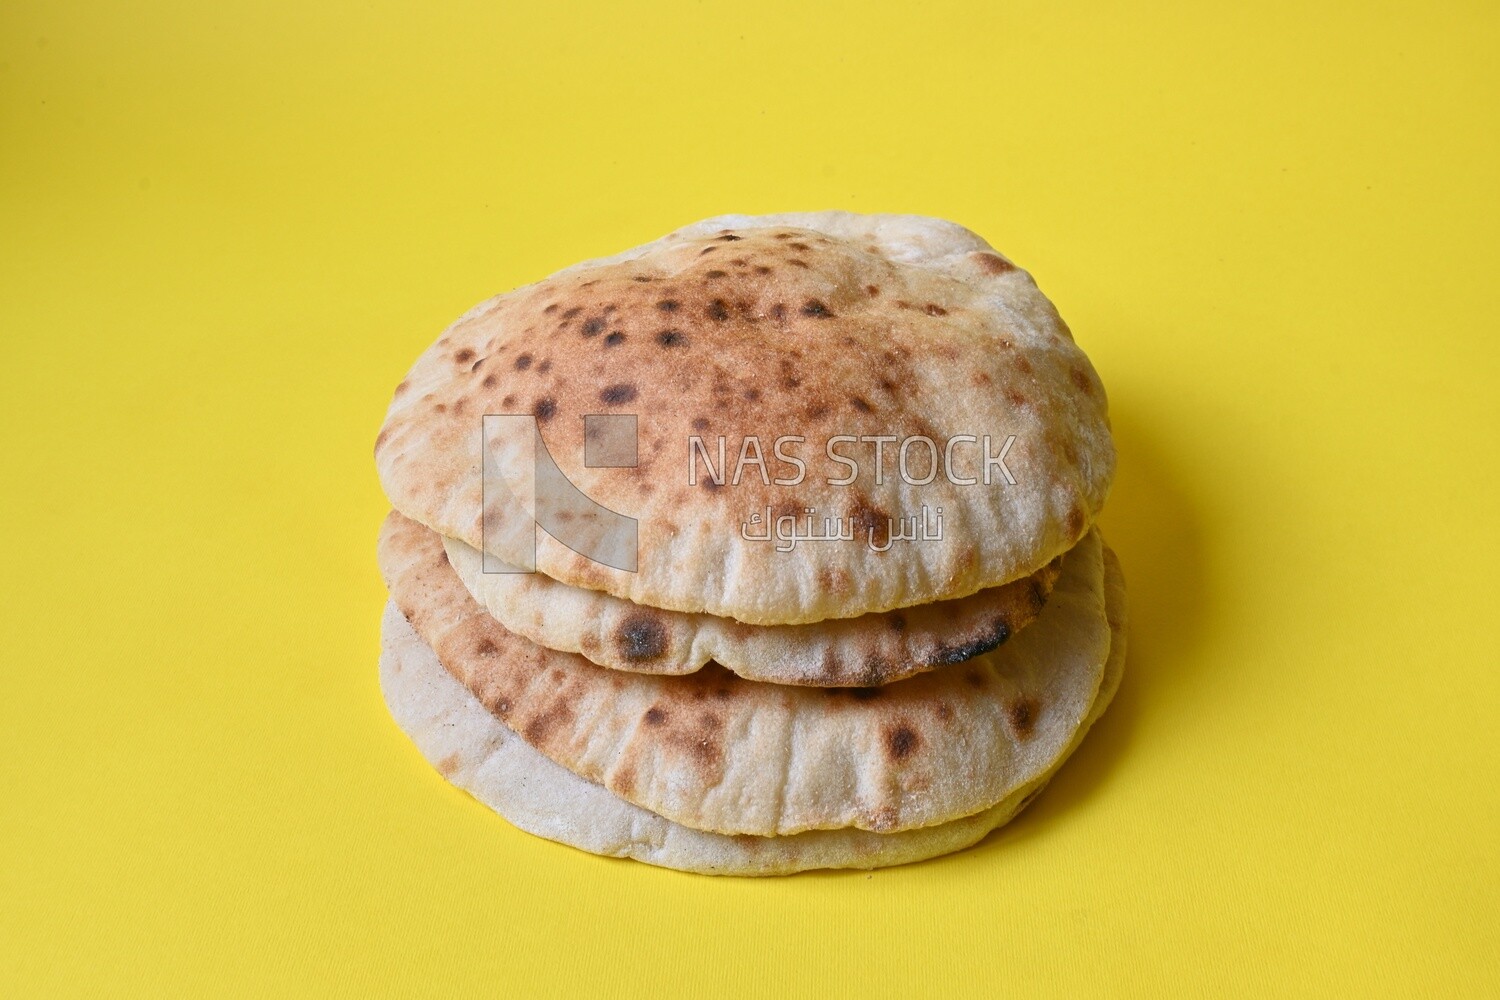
{"points": [[1023, 714], [762, 269], [730, 237], [523, 362], [860, 405], [614, 339], [870, 521], [544, 367], [933, 309], [872, 290], [975, 679], [700, 738], [799, 262], [643, 277], [706, 250], [700, 423], [1038, 595], [670, 338], [509, 399], [640, 637], [799, 246], [752, 395], [778, 312], [994, 636], [540, 727], [897, 621], [620, 392], [544, 409], [875, 669], [718, 310], [593, 326], [993, 264], [669, 305], [901, 741], [485, 647], [715, 273], [551, 308], [654, 716], [464, 356], [812, 307], [570, 313]]}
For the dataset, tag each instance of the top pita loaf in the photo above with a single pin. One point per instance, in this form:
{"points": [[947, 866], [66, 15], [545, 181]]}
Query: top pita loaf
{"points": [[808, 325]]}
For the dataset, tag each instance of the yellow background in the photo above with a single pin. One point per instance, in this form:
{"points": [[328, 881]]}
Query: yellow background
{"points": [[226, 230]]}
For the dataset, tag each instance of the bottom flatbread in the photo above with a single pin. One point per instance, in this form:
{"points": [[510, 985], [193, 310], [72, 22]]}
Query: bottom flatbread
{"points": [[478, 753]]}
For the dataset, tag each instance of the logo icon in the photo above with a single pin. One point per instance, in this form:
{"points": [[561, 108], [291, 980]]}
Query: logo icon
{"points": [[524, 490]]}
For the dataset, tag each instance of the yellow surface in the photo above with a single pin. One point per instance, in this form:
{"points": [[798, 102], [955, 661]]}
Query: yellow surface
{"points": [[226, 230]]}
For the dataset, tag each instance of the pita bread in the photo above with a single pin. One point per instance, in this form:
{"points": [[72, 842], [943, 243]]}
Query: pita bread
{"points": [[810, 325], [715, 752], [867, 651], [476, 752]]}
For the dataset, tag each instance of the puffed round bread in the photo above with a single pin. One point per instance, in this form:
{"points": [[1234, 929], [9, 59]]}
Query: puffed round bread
{"points": [[867, 651], [478, 753], [716, 752], [810, 325]]}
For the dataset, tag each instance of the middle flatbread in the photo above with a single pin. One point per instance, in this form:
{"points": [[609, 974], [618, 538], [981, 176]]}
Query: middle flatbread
{"points": [[866, 651]]}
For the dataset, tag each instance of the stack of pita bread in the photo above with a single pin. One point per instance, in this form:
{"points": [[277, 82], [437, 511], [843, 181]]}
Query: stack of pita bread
{"points": [[756, 695]]}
